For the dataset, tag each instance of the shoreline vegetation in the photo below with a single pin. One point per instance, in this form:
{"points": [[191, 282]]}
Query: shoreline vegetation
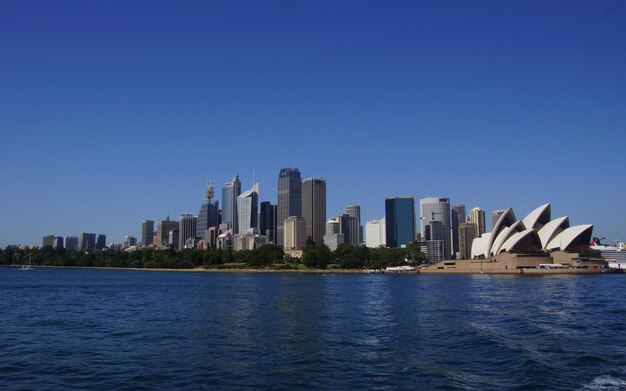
{"points": [[317, 258]]}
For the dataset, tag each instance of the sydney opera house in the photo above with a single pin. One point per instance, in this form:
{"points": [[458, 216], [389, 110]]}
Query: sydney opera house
{"points": [[536, 241]]}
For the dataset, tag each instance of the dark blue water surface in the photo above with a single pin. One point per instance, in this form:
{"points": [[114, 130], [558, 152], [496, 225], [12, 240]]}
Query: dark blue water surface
{"points": [[117, 329]]}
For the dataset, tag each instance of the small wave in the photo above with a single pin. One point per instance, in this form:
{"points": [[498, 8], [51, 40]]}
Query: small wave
{"points": [[606, 383]]}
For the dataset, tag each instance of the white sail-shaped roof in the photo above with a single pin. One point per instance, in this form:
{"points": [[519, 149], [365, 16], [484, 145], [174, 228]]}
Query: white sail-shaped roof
{"points": [[527, 240], [552, 229], [504, 235], [575, 236], [506, 220], [478, 247], [538, 217]]}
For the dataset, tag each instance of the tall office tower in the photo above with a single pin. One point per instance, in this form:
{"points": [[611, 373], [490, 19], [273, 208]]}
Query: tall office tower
{"points": [[248, 211], [86, 241], [173, 237], [332, 226], [289, 199], [48, 240], [230, 192], [208, 216], [71, 243], [437, 231], [267, 221], [101, 241], [355, 212], [147, 232], [295, 233], [457, 216], [186, 228], [314, 208], [467, 233], [436, 209], [58, 242], [349, 228], [129, 241], [477, 216], [399, 221], [375, 233], [163, 232], [495, 216]]}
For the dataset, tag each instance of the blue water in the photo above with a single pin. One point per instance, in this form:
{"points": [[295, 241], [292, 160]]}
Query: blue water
{"points": [[116, 329]]}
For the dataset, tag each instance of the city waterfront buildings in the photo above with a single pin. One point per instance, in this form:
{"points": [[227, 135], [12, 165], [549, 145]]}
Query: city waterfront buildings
{"points": [[58, 242], [147, 232], [230, 192], [436, 209], [467, 233], [71, 243], [289, 199], [267, 221], [457, 217], [354, 211], [375, 233], [48, 240], [314, 208], [399, 221], [86, 241], [101, 241], [187, 228], [477, 216], [164, 228], [248, 211], [294, 233]]}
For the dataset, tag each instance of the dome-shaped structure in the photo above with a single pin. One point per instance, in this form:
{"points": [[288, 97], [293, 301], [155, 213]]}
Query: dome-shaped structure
{"points": [[538, 217]]}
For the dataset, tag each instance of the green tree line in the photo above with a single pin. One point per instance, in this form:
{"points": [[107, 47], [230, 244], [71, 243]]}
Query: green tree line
{"points": [[315, 256]]}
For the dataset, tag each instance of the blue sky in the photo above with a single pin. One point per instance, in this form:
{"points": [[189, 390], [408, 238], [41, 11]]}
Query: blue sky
{"points": [[115, 112]]}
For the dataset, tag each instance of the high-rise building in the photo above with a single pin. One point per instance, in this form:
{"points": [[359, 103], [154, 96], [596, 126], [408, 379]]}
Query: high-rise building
{"points": [[130, 241], [147, 232], [48, 240], [58, 242], [101, 242], [477, 216], [314, 208], [86, 241], [399, 221], [433, 249], [267, 221], [349, 227], [495, 216], [355, 212], [436, 209], [230, 192], [208, 216], [437, 231], [375, 233], [187, 228], [71, 243], [295, 233], [289, 199], [248, 211], [467, 233], [457, 216], [163, 232], [174, 238]]}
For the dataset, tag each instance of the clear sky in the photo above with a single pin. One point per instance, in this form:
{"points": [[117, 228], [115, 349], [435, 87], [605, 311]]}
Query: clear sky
{"points": [[112, 112]]}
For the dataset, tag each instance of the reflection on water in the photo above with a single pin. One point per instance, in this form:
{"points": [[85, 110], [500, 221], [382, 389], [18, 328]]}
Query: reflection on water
{"points": [[98, 329]]}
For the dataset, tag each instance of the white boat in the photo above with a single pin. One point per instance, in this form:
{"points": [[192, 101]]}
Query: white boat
{"points": [[30, 263]]}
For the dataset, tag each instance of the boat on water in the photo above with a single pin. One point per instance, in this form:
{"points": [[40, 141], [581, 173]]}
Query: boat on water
{"points": [[29, 266], [615, 256]]}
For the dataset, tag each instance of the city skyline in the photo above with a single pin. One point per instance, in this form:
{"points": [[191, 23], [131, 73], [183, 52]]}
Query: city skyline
{"points": [[384, 88]]}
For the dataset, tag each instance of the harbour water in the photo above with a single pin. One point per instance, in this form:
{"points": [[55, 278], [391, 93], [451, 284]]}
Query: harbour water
{"points": [[119, 329]]}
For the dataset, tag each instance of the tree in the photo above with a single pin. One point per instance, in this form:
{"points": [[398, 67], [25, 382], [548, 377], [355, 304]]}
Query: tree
{"points": [[414, 252]]}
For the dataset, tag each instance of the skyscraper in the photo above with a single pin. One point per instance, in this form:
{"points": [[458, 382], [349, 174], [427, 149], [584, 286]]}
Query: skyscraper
{"points": [[467, 233], [48, 240], [477, 216], [289, 199], [375, 233], [86, 241], [186, 228], [147, 232], [230, 192], [495, 216], [267, 223], [248, 210], [349, 228], [457, 216], [355, 212], [436, 209], [163, 232], [399, 221], [58, 242], [295, 233], [71, 243], [208, 216], [101, 241], [314, 208]]}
